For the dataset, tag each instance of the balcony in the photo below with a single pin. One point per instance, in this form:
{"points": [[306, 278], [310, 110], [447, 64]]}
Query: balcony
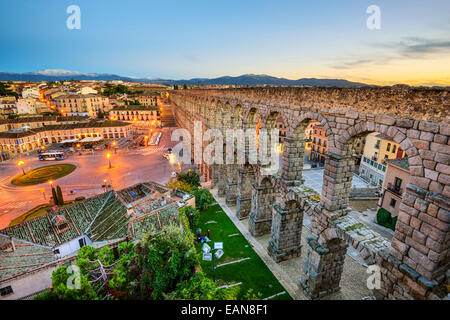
{"points": [[394, 189]]}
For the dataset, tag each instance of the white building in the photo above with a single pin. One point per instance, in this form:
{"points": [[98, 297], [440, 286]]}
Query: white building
{"points": [[26, 106], [32, 92], [87, 90]]}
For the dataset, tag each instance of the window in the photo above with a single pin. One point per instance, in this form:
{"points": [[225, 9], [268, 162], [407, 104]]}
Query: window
{"points": [[393, 203], [394, 148], [5, 291], [397, 183], [377, 145], [82, 242], [388, 147]]}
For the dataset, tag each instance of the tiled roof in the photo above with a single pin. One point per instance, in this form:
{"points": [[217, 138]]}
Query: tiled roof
{"points": [[43, 119], [402, 163], [111, 222], [24, 258], [41, 230]]}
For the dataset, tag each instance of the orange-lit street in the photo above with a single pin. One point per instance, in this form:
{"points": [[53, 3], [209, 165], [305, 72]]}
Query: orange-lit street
{"points": [[127, 168]]}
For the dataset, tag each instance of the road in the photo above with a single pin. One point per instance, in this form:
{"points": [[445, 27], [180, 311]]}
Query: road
{"points": [[128, 167]]}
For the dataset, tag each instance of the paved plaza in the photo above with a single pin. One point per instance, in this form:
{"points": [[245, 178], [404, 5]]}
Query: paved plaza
{"points": [[129, 166], [314, 179]]}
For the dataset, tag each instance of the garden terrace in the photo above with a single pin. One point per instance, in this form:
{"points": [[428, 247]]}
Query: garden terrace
{"points": [[155, 221], [25, 257]]}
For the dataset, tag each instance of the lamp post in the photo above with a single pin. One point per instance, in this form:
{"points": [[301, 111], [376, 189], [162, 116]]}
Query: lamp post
{"points": [[114, 146], [108, 156], [20, 163]]}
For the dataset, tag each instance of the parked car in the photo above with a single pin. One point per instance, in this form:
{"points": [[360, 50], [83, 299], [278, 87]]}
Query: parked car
{"points": [[166, 155]]}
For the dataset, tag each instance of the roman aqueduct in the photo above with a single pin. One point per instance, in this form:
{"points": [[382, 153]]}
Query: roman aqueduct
{"points": [[414, 265]]}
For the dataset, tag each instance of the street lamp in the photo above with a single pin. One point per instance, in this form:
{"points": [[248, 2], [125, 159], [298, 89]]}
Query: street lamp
{"points": [[20, 163], [108, 156], [114, 146]]}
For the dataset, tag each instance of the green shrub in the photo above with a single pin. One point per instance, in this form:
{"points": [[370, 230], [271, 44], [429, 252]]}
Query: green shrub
{"points": [[203, 198], [384, 218], [191, 214]]}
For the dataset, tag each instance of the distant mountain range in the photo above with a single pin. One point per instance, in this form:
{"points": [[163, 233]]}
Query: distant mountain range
{"points": [[243, 80]]}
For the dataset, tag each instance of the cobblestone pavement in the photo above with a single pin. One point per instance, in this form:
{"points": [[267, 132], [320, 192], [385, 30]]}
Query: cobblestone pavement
{"points": [[314, 179], [353, 281]]}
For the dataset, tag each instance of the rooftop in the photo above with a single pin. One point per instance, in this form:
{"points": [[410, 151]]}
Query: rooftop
{"points": [[25, 257], [109, 216], [68, 126], [401, 163]]}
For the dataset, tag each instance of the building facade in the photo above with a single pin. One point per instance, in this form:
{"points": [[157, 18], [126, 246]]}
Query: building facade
{"points": [[394, 185], [17, 142], [81, 103], [135, 113], [377, 149]]}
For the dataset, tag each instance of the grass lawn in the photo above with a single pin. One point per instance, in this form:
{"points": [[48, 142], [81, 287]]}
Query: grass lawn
{"points": [[253, 273], [43, 174], [36, 212]]}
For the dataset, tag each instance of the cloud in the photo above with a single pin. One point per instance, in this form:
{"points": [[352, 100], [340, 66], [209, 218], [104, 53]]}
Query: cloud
{"points": [[408, 47]]}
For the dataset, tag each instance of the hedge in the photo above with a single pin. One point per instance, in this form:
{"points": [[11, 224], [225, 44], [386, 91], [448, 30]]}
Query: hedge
{"points": [[384, 218]]}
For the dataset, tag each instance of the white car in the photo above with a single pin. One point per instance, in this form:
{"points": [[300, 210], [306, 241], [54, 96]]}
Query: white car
{"points": [[174, 174]]}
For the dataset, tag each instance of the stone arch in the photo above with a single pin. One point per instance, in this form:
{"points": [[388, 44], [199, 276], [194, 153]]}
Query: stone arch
{"points": [[296, 143], [238, 118]]}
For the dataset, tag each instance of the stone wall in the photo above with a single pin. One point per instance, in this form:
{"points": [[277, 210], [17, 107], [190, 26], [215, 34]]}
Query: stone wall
{"points": [[416, 119]]}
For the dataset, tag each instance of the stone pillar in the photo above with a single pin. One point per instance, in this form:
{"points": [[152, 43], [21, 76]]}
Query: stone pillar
{"points": [[214, 174], [292, 158], [250, 155], [231, 185], [260, 219], [244, 192], [322, 267], [286, 232], [337, 182], [222, 180]]}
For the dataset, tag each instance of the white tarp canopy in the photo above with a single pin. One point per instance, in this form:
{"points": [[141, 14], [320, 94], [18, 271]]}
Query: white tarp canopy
{"points": [[92, 139], [69, 140]]}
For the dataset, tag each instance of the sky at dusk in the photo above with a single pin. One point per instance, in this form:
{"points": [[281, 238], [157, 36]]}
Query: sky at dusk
{"points": [[186, 39]]}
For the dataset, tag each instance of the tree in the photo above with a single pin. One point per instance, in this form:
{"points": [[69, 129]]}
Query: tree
{"points": [[180, 185], [203, 198], [199, 287], [191, 178], [59, 196], [54, 196], [162, 261], [5, 91], [191, 214], [60, 290], [100, 114]]}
